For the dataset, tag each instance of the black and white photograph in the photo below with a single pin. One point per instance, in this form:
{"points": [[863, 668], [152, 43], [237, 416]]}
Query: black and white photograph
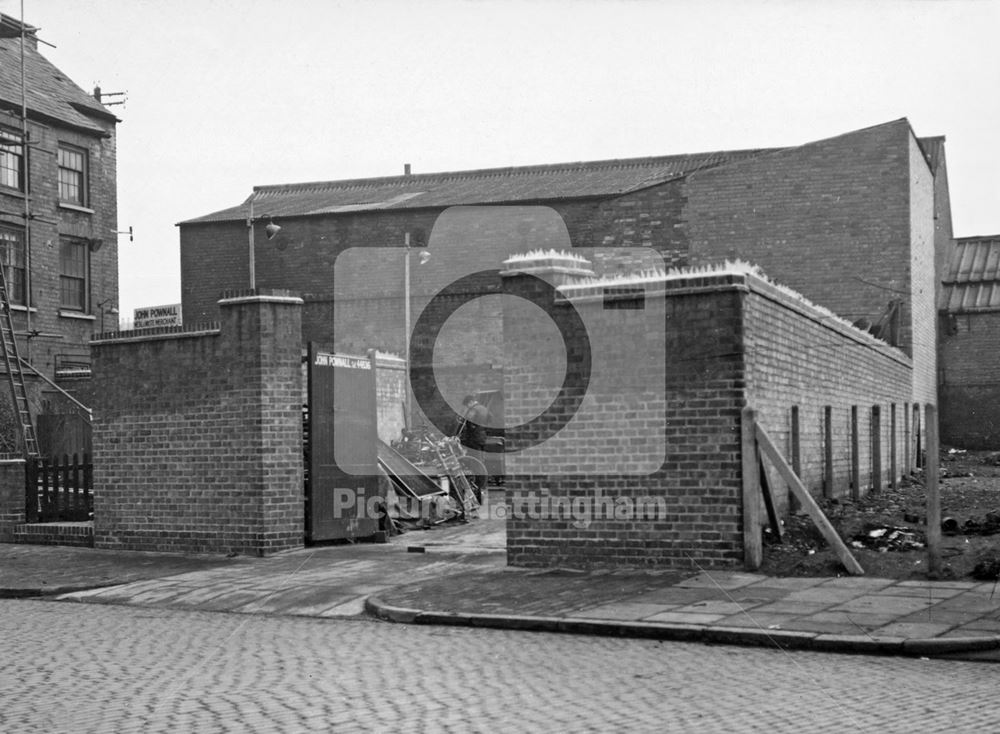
{"points": [[499, 366]]}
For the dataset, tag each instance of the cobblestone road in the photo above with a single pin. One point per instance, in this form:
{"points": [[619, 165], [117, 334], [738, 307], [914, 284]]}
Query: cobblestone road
{"points": [[93, 668]]}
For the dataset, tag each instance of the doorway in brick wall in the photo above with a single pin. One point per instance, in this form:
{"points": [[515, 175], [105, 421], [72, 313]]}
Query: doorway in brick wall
{"points": [[342, 495]]}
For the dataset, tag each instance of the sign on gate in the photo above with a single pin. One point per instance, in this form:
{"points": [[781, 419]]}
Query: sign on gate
{"points": [[343, 447]]}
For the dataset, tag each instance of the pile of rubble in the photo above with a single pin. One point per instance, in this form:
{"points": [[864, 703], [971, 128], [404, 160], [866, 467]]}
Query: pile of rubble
{"points": [[884, 538]]}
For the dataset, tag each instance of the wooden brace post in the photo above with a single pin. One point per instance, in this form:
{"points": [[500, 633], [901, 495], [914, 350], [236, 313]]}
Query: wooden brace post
{"points": [[808, 503]]}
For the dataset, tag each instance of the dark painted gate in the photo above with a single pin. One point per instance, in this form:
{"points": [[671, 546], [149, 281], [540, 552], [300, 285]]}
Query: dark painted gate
{"points": [[342, 494]]}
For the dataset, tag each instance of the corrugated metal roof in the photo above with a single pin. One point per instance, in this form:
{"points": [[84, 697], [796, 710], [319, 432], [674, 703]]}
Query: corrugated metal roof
{"points": [[973, 281], [463, 188], [527, 184], [49, 92]]}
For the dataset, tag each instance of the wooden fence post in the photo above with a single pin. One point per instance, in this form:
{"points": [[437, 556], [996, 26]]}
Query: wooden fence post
{"points": [[893, 461], [828, 466], [796, 440], [808, 503], [876, 458], [855, 457], [907, 453], [933, 493], [753, 550]]}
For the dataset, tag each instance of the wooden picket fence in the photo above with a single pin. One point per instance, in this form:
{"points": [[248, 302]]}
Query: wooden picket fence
{"points": [[59, 489]]}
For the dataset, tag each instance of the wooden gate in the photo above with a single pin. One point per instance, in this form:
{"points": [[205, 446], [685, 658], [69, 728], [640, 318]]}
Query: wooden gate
{"points": [[59, 489], [342, 493]]}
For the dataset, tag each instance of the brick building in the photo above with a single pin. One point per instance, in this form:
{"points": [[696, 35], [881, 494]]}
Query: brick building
{"points": [[58, 207], [970, 337], [857, 223], [651, 469]]}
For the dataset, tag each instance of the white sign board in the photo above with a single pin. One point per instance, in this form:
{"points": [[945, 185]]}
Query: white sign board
{"points": [[150, 317]]}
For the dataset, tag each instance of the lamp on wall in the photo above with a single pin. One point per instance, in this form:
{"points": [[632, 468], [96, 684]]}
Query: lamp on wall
{"points": [[113, 311], [271, 229], [270, 232]]}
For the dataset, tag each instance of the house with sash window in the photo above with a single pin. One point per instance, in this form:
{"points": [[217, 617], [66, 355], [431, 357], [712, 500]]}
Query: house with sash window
{"points": [[58, 214]]}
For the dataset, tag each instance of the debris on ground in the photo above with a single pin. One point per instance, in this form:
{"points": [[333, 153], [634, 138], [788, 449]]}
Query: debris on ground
{"points": [[946, 473], [970, 511], [987, 569], [989, 524], [884, 538]]}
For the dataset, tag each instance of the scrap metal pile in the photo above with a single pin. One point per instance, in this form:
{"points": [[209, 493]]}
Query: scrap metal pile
{"points": [[432, 480]]}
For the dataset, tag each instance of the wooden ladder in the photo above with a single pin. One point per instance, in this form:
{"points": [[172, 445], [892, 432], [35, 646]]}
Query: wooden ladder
{"points": [[15, 376], [448, 452]]}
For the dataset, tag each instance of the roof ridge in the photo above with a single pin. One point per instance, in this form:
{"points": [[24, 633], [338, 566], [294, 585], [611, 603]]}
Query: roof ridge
{"points": [[535, 169]]}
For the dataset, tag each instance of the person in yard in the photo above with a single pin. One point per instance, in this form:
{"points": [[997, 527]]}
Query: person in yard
{"points": [[472, 432]]}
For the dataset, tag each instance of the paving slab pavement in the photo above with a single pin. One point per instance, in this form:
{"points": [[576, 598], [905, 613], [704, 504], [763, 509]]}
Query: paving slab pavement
{"points": [[848, 614], [456, 574], [41, 570], [319, 581]]}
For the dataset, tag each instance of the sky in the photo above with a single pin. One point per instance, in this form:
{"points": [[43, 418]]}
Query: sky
{"points": [[225, 95]]}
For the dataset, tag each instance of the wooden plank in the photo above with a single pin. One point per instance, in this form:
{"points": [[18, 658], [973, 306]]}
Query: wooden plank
{"points": [[808, 503], [893, 457], [828, 446], [796, 439], [933, 492], [768, 495], [75, 503], [88, 481], [753, 549], [31, 476], [907, 453], [855, 456], [876, 429]]}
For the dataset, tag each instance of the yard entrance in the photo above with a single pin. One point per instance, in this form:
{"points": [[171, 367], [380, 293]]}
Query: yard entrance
{"points": [[342, 445]]}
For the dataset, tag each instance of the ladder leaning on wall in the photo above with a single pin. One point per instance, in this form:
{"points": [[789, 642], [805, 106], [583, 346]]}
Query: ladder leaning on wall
{"points": [[15, 376]]}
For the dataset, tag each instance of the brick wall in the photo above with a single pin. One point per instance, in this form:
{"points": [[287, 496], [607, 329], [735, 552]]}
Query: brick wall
{"points": [[813, 217], [798, 357], [730, 340], [198, 436], [970, 380], [647, 474], [848, 222], [11, 497], [304, 255], [390, 396]]}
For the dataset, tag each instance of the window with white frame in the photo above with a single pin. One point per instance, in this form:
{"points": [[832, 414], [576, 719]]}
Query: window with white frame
{"points": [[11, 159], [12, 261], [72, 175], [74, 274]]}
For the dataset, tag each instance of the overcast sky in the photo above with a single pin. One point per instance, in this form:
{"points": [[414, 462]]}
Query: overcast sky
{"points": [[225, 95]]}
